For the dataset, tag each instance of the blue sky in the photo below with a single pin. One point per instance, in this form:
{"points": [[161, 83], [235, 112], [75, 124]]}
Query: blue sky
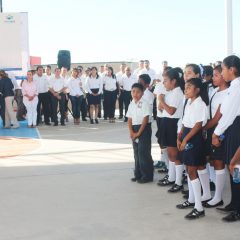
{"points": [[180, 31]]}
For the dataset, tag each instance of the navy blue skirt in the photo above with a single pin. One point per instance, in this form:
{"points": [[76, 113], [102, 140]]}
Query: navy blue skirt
{"points": [[167, 136], [232, 140], [194, 156], [94, 100]]}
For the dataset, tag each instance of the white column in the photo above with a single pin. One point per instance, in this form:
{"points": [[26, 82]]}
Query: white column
{"points": [[228, 27]]}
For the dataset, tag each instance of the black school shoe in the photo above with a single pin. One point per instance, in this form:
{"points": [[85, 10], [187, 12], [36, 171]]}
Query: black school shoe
{"points": [[226, 209], [163, 179], [207, 205], [134, 179], [185, 205], [232, 217], [142, 181], [163, 170], [175, 188], [194, 214], [164, 183]]}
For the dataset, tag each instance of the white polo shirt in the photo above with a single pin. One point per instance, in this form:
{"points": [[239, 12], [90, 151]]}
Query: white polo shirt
{"points": [[138, 111], [42, 83], [195, 112], [174, 98], [119, 76], [110, 84], [57, 84], [94, 83], [75, 86], [127, 82], [159, 89], [150, 72]]}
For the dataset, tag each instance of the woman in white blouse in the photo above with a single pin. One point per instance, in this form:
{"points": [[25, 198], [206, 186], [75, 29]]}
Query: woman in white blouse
{"points": [[94, 87], [76, 95], [111, 89]]}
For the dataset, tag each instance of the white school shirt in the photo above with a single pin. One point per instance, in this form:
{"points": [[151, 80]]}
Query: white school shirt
{"points": [[119, 76], [150, 72], [230, 107], [174, 99], [42, 83], [195, 112], [217, 99], [57, 84], [110, 84], [159, 89], [137, 71], [75, 86], [148, 96], [127, 82], [49, 77], [94, 83], [137, 111]]}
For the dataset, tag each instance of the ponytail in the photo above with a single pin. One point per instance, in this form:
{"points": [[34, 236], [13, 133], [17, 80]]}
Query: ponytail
{"points": [[176, 73]]}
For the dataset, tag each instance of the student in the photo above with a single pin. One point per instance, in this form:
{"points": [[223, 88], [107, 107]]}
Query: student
{"points": [[126, 83], [110, 86], [94, 86], [172, 107], [119, 76], [190, 142], [208, 78], [6, 88], [216, 153], [139, 124], [43, 95], [149, 71], [229, 123], [75, 94], [30, 99], [57, 88]]}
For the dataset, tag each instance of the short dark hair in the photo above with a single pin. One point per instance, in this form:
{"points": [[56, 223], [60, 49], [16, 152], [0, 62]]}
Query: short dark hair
{"points": [[208, 70], [146, 78], [48, 66], [138, 86], [234, 62], [39, 66]]}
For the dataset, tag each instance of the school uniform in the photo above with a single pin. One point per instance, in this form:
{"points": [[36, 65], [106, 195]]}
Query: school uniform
{"points": [[67, 96], [216, 99], [110, 96], [195, 112], [50, 96], [159, 89], [119, 76], [56, 84], [142, 146], [126, 85], [43, 97], [169, 122], [150, 72], [229, 125], [75, 95], [94, 85]]}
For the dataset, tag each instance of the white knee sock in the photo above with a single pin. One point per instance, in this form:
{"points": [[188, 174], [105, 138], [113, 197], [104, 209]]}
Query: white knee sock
{"points": [[190, 189], [179, 172], [212, 173], [220, 182], [165, 157], [172, 172], [204, 179], [197, 194]]}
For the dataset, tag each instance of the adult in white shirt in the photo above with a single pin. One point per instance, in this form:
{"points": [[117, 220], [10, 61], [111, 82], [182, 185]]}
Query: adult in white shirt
{"points": [[110, 86], [57, 87], [64, 75], [94, 87], [43, 96], [128, 79], [137, 71], [119, 76], [149, 71], [76, 94], [49, 75], [102, 72]]}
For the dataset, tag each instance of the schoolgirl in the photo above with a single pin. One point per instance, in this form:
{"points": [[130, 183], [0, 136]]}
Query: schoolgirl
{"points": [[216, 153], [229, 124], [94, 87], [172, 106], [191, 143], [111, 88]]}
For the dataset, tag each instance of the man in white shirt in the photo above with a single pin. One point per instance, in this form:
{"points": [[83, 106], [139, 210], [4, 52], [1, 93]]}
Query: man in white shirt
{"points": [[49, 75], [43, 96], [128, 79], [149, 71], [120, 97], [57, 87], [137, 71]]}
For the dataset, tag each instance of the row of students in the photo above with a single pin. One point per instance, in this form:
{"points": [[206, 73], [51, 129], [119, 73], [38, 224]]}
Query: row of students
{"points": [[184, 118]]}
